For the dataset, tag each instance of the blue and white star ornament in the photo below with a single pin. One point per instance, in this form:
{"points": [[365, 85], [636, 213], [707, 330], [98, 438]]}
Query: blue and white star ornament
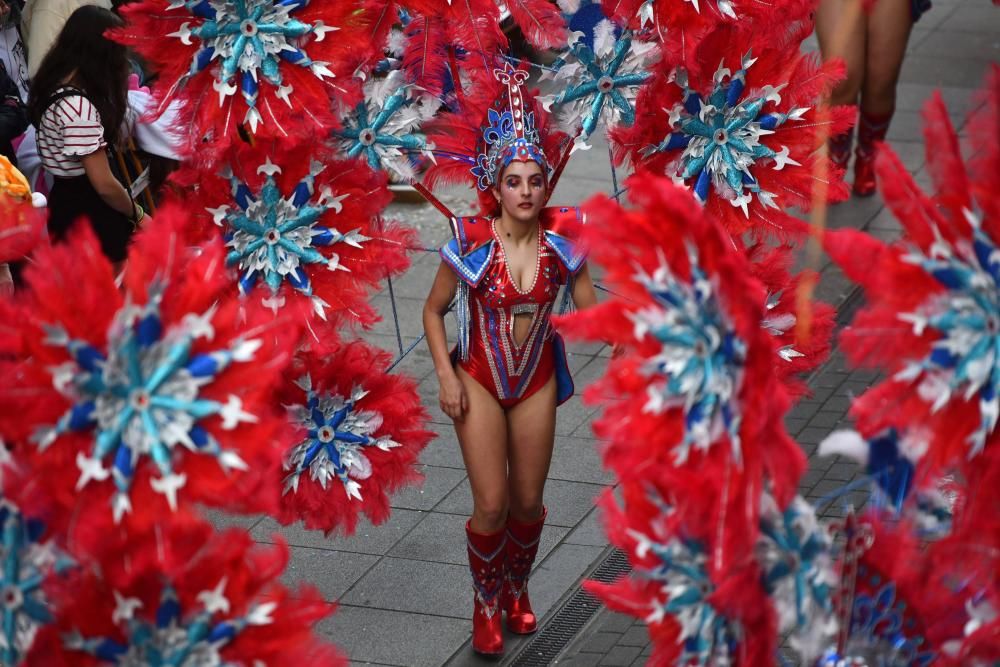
{"points": [[384, 128], [598, 77], [28, 558], [699, 367], [716, 139], [273, 237], [338, 434], [795, 554]]}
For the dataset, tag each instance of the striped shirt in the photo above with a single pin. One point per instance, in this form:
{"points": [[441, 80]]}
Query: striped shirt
{"points": [[70, 129]]}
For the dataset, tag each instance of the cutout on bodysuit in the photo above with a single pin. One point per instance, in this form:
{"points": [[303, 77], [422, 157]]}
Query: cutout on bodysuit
{"points": [[522, 321]]}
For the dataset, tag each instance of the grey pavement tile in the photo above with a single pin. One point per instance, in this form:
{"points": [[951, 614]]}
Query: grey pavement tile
{"points": [[812, 435], [599, 642], [577, 459], [560, 572], [575, 189], [223, 520], [956, 72], [438, 483], [635, 636], [621, 656], [394, 638], [368, 539], [905, 126], [613, 621], [828, 420], [572, 414], [581, 660], [567, 502], [911, 153], [793, 425], [441, 538], [887, 222], [853, 213], [842, 472], [332, 572], [415, 586], [973, 17], [589, 532], [443, 450], [408, 311]]}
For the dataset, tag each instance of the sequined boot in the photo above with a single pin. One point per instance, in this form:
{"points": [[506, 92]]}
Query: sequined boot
{"points": [[522, 547], [486, 562], [839, 148], [871, 130]]}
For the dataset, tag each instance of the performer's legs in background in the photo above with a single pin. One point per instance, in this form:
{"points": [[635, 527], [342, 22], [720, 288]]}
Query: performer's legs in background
{"points": [[482, 434], [841, 29], [531, 427], [889, 26]]}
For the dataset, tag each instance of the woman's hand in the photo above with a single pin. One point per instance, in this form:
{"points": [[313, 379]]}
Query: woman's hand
{"points": [[452, 397]]}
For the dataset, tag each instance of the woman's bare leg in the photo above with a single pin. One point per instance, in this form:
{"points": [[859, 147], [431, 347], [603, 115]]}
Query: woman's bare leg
{"points": [[531, 428], [889, 26], [482, 435], [841, 27]]}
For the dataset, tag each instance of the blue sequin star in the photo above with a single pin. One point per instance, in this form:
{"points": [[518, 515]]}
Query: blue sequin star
{"points": [[337, 433], [25, 564], [384, 127], [141, 398], [706, 635], [172, 639], [719, 137], [701, 358], [252, 38], [273, 237], [601, 79], [965, 359]]}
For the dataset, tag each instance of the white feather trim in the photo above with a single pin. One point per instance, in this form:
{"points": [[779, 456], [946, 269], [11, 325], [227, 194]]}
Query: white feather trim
{"points": [[845, 443]]}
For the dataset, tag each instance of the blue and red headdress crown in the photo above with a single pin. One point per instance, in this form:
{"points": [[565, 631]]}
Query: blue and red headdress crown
{"points": [[510, 133]]}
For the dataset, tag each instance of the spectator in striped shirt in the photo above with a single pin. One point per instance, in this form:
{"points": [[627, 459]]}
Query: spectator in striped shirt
{"points": [[78, 104]]}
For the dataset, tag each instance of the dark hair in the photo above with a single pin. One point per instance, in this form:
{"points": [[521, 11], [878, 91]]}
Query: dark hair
{"points": [[84, 58]]}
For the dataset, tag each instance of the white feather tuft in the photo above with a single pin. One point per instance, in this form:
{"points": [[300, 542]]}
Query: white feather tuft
{"points": [[845, 443]]}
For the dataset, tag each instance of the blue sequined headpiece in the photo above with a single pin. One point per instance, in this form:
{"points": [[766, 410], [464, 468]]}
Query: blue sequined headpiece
{"points": [[509, 134]]}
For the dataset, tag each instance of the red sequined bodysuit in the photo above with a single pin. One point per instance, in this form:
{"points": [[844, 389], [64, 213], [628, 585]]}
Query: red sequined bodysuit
{"points": [[490, 301]]}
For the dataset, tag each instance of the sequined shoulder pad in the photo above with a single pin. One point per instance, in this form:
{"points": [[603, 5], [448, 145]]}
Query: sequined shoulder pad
{"points": [[471, 251], [562, 227]]}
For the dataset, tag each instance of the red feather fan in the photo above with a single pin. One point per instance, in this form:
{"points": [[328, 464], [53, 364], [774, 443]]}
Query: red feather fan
{"points": [[331, 259], [663, 229], [344, 463], [900, 328], [127, 404], [780, 80], [540, 22], [801, 331], [302, 59], [214, 596]]}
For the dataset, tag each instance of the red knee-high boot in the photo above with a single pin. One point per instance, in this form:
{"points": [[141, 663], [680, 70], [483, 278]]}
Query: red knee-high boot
{"points": [[522, 547], [487, 554], [871, 130]]}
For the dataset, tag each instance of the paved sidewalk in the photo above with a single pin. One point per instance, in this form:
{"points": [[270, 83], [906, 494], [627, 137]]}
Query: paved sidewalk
{"points": [[403, 589]]}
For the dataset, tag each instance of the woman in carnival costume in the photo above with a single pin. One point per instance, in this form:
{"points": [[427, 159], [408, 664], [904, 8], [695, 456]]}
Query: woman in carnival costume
{"points": [[503, 381]]}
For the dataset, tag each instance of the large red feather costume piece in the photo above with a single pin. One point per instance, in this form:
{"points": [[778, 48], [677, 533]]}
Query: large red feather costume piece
{"points": [[933, 308], [132, 404], [300, 226], [190, 594], [740, 125], [357, 433], [271, 66]]}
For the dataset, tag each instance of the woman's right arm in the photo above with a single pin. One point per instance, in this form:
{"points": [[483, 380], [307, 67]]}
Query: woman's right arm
{"points": [[107, 186], [453, 399]]}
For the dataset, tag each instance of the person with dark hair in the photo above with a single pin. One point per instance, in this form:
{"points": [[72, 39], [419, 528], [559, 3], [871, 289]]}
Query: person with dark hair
{"points": [[78, 104]]}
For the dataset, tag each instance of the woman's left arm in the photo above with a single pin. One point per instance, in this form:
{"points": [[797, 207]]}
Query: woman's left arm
{"points": [[584, 295]]}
